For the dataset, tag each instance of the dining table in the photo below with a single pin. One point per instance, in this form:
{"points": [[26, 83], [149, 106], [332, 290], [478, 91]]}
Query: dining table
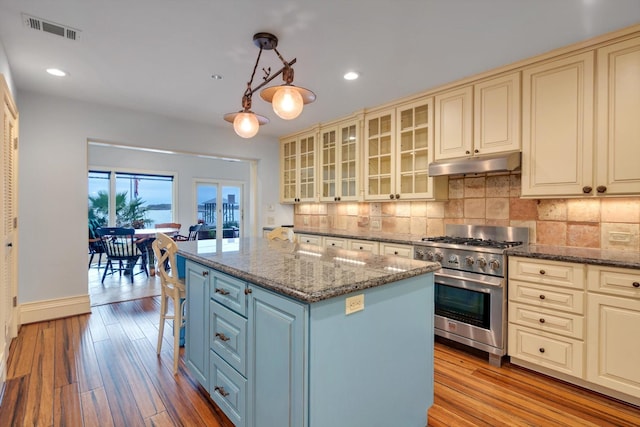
{"points": [[147, 236]]}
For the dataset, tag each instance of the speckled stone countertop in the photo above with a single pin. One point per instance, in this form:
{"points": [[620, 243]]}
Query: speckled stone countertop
{"points": [[307, 273], [400, 238], [623, 259]]}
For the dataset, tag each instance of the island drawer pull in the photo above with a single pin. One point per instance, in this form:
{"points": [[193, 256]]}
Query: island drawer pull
{"points": [[222, 391], [222, 291], [222, 336]]}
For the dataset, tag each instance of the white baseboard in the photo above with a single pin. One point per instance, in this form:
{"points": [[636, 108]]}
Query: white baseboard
{"points": [[40, 311]]}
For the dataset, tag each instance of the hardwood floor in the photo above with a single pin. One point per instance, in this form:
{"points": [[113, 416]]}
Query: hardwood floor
{"points": [[118, 288], [101, 369]]}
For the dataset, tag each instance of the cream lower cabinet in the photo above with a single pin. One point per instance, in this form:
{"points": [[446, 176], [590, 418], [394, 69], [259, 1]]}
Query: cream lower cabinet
{"points": [[546, 314], [396, 249], [310, 239], [613, 327]]}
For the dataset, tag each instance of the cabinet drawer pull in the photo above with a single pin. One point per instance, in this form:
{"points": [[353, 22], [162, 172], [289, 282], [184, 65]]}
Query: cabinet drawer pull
{"points": [[541, 349], [222, 336], [636, 284], [542, 297], [542, 320], [222, 391], [222, 291], [395, 252], [205, 273], [543, 272]]}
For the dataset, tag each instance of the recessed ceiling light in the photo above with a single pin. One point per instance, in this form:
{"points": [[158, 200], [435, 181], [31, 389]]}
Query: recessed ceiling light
{"points": [[56, 72], [216, 77], [351, 75]]}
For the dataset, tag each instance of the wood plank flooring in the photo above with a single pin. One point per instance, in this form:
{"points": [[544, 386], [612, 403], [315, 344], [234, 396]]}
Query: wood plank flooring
{"points": [[101, 369]]}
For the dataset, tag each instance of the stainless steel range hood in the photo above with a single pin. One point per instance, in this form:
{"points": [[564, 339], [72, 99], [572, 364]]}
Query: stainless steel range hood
{"points": [[498, 163]]}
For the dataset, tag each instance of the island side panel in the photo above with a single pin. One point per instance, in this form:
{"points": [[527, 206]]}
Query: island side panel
{"points": [[373, 367]]}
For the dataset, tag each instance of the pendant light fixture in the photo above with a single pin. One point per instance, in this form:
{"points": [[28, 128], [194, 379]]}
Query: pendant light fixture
{"points": [[287, 99]]}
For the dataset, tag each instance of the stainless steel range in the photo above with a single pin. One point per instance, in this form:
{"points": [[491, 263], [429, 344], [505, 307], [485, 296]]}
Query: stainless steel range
{"points": [[470, 288]]}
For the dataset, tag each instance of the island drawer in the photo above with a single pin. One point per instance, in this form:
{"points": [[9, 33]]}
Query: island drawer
{"points": [[228, 390], [229, 292], [228, 336]]}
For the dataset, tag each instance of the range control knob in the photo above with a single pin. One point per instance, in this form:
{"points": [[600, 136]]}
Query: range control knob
{"points": [[469, 260], [453, 259], [494, 264], [482, 262], [419, 254], [430, 256], [438, 256]]}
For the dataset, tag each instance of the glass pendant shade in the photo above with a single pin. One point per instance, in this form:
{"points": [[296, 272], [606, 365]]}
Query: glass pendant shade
{"points": [[287, 103], [246, 125]]}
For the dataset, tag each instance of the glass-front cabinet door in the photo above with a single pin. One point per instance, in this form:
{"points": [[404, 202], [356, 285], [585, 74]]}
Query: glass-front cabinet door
{"points": [[379, 173], [339, 162], [288, 170], [298, 162], [415, 142]]}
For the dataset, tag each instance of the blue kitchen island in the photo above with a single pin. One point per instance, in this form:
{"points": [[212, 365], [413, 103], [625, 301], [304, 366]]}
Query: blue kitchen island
{"points": [[284, 334]]}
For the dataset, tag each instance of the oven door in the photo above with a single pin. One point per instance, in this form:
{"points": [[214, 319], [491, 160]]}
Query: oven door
{"points": [[470, 309]]}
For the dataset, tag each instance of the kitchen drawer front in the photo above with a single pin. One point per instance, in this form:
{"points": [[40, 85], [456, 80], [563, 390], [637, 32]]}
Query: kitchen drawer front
{"points": [[570, 325], [309, 239], [547, 272], [403, 251], [364, 246], [562, 354], [622, 282], [228, 336], [228, 390], [229, 292], [335, 242], [547, 296]]}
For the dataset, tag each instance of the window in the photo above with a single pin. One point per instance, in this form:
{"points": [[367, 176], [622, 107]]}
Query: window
{"points": [[220, 220], [138, 200]]}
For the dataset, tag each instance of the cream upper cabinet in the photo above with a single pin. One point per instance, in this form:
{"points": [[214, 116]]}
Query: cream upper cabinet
{"points": [[618, 123], [479, 119], [557, 127], [298, 168], [398, 151], [613, 313], [339, 149], [454, 123]]}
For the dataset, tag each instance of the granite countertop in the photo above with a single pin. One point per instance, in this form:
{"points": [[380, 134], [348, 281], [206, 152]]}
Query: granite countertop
{"points": [[308, 273], [623, 259], [378, 236]]}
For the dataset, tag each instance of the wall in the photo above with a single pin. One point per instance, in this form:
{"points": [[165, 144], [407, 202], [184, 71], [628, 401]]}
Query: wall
{"points": [[53, 180], [490, 200], [186, 169], [5, 70]]}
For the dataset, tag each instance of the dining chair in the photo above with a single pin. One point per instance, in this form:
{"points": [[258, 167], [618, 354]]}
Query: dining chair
{"points": [[165, 249], [193, 234], [282, 233], [95, 244], [122, 249]]}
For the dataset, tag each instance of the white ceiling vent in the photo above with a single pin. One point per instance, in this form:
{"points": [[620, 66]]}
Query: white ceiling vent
{"points": [[50, 27]]}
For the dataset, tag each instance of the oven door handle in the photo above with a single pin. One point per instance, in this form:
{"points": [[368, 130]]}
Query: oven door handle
{"points": [[488, 280]]}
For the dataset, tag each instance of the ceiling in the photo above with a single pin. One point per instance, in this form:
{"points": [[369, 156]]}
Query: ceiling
{"points": [[159, 55]]}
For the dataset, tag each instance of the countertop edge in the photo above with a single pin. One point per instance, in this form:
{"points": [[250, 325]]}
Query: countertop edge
{"points": [[608, 258]]}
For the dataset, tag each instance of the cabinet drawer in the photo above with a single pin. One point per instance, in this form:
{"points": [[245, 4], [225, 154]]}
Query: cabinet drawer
{"points": [[547, 296], [622, 282], [562, 354], [547, 272], [335, 242], [557, 322], [403, 251], [310, 239], [364, 246], [228, 336], [229, 292], [228, 390]]}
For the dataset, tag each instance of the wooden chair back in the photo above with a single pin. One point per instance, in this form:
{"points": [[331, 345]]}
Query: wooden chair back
{"points": [[282, 233], [165, 250]]}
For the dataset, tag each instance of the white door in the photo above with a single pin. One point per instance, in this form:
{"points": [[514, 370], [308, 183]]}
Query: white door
{"points": [[220, 208], [8, 228]]}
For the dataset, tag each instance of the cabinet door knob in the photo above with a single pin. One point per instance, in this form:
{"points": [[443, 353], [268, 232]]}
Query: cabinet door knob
{"points": [[222, 336], [397, 196], [205, 273], [542, 320], [542, 297], [541, 349], [476, 151], [247, 291], [467, 152], [586, 189], [636, 284], [543, 272], [222, 391], [601, 189], [391, 196], [221, 291]]}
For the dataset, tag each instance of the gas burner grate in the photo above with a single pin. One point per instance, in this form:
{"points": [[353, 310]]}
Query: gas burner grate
{"points": [[471, 241]]}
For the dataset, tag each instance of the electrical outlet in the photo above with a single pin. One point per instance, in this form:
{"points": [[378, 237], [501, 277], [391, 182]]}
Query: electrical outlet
{"points": [[375, 224], [305, 220], [354, 303], [619, 236]]}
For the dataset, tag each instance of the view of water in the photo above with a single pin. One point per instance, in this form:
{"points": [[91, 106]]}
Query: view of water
{"points": [[159, 216]]}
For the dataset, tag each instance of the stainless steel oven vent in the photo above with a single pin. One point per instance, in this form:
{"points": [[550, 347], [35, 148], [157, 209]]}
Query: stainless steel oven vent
{"points": [[44, 26]]}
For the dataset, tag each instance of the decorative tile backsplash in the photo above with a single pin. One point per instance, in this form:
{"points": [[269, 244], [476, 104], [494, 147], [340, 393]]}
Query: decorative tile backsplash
{"points": [[606, 223]]}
